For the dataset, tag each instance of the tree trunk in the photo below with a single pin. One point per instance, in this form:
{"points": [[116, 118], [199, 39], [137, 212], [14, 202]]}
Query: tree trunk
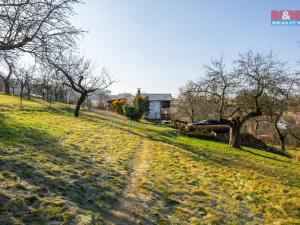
{"points": [[28, 93], [21, 96], [235, 136], [50, 102], [79, 103], [43, 93], [281, 135], [6, 87], [281, 138], [282, 143]]}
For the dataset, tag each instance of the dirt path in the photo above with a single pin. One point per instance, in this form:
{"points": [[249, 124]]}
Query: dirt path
{"points": [[131, 205]]}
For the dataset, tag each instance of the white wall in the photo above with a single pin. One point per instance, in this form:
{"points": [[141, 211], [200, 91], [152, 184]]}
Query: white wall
{"points": [[154, 112]]}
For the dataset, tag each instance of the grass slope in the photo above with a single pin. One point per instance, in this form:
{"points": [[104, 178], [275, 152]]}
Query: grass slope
{"points": [[102, 169]]}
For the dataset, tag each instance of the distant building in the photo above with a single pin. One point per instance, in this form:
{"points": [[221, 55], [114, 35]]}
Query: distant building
{"points": [[160, 106], [128, 96], [109, 102]]}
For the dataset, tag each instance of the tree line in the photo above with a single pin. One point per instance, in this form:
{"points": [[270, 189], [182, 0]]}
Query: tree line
{"points": [[39, 49], [256, 87]]}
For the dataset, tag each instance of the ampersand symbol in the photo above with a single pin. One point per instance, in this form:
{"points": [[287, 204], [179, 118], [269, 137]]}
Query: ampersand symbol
{"points": [[285, 15]]}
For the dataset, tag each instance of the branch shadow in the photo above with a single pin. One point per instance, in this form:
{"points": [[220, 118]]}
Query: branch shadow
{"points": [[293, 178], [238, 163], [50, 195]]}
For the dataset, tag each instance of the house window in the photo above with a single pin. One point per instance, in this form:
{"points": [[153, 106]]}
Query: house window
{"points": [[165, 110], [165, 104]]}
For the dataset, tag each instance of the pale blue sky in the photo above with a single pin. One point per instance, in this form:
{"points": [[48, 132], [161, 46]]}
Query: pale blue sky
{"points": [[158, 45]]}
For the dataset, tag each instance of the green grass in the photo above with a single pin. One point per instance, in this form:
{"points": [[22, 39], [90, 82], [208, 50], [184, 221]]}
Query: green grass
{"points": [[57, 169]]}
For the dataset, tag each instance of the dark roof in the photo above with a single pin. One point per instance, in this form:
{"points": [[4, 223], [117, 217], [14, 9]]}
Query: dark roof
{"points": [[158, 97]]}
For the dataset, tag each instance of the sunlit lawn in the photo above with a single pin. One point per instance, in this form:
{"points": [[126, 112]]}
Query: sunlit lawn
{"points": [[57, 169]]}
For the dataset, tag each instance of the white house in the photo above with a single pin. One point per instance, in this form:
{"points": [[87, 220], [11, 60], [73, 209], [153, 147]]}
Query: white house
{"points": [[159, 106]]}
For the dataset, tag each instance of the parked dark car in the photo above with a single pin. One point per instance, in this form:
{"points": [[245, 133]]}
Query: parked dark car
{"points": [[207, 125], [208, 122]]}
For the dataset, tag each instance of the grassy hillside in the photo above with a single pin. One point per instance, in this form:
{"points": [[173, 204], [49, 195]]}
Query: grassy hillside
{"points": [[102, 169]]}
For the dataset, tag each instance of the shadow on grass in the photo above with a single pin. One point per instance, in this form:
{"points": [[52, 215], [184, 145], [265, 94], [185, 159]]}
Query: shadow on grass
{"points": [[88, 192], [116, 122], [20, 138], [165, 136], [85, 191], [267, 157], [288, 177]]}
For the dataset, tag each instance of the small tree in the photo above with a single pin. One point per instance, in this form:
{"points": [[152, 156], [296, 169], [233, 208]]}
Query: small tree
{"points": [[30, 80], [8, 61], [23, 76], [78, 74], [142, 103], [132, 112], [48, 85], [191, 105], [52, 80], [280, 100], [103, 96], [13, 84]]}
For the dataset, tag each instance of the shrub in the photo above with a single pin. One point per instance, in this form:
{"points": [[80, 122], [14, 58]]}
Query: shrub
{"points": [[132, 112], [142, 103], [117, 105]]}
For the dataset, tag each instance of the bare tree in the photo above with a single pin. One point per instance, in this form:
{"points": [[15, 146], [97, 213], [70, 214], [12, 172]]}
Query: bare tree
{"points": [[47, 83], [36, 26], [44, 85], [190, 104], [218, 85], [30, 80], [258, 75], [103, 96], [239, 95], [56, 84], [23, 76], [78, 73], [8, 61], [53, 84], [13, 84], [280, 100]]}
